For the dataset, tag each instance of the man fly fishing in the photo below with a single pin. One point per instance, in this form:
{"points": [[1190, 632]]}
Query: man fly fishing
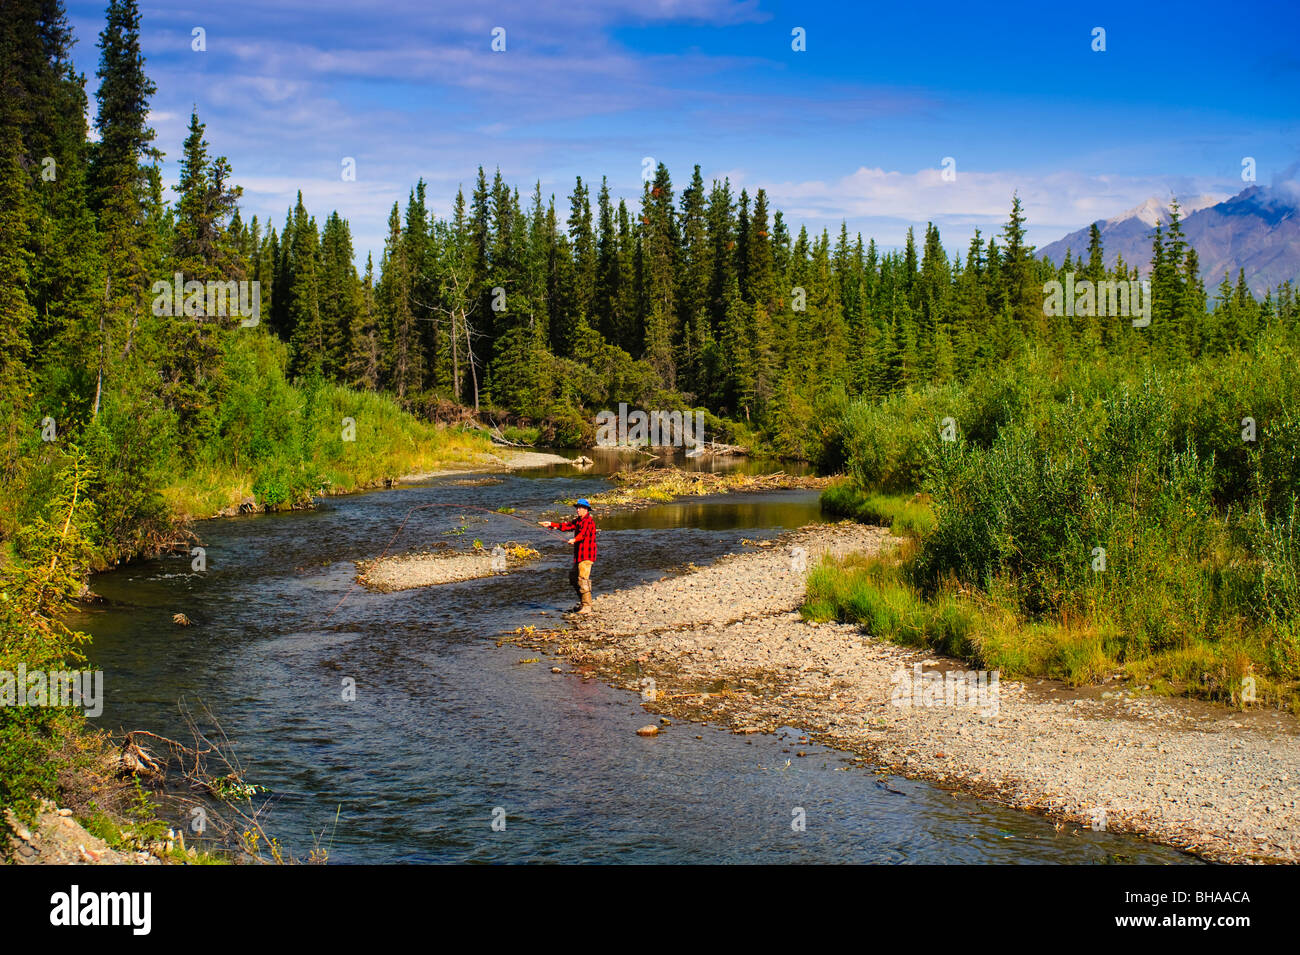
{"points": [[584, 551]]}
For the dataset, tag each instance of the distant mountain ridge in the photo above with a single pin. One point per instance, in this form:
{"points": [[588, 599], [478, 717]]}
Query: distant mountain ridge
{"points": [[1257, 230]]}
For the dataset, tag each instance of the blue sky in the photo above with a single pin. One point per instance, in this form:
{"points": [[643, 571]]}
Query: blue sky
{"points": [[854, 128]]}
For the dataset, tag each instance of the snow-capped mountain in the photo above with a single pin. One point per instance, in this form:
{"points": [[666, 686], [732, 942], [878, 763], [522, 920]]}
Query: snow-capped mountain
{"points": [[1257, 230]]}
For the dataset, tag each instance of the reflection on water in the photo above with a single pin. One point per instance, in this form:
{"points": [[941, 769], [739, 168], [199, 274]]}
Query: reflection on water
{"points": [[447, 727]]}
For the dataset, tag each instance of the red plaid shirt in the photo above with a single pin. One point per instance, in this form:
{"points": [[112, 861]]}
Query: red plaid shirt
{"points": [[584, 544]]}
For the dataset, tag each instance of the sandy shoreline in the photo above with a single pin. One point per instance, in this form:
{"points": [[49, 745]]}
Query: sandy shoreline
{"points": [[723, 644]]}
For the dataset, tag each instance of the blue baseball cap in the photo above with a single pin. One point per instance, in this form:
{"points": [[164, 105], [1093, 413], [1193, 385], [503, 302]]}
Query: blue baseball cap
{"points": [[583, 502]]}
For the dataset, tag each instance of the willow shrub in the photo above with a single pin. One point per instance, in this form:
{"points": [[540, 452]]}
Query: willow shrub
{"points": [[885, 445], [1088, 507], [1239, 411], [1110, 516]]}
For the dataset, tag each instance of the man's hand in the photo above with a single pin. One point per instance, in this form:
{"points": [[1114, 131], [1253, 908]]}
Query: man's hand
{"points": [[543, 523], [572, 540]]}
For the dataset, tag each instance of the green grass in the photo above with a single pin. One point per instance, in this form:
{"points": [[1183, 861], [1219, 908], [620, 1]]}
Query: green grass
{"points": [[139, 832], [906, 515], [874, 592], [870, 591]]}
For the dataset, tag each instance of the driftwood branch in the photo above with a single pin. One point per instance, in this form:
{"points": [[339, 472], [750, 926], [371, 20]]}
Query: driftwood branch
{"points": [[200, 765], [500, 438]]}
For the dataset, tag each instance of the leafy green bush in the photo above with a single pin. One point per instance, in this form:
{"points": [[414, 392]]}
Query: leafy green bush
{"points": [[1121, 516], [566, 427]]}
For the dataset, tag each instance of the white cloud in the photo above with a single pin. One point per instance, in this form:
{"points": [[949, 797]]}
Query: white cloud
{"points": [[1053, 203]]}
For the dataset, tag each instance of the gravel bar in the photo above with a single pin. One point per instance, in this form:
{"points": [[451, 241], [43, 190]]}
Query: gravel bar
{"points": [[724, 644]]}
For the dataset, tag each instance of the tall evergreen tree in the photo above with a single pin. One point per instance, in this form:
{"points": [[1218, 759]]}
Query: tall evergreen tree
{"points": [[659, 231], [308, 336]]}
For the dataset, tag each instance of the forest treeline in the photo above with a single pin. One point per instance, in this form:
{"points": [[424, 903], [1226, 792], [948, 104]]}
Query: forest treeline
{"points": [[528, 306], [539, 307]]}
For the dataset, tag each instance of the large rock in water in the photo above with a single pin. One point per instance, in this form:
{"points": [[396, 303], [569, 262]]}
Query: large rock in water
{"points": [[650, 730]]}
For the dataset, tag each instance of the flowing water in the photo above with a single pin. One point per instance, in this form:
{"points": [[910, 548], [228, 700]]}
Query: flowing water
{"points": [[448, 731]]}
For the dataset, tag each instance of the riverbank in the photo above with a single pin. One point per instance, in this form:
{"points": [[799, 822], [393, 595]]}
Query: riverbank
{"points": [[197, 497], [102, 816], [498, 460], [56, 838], [725, 644]]}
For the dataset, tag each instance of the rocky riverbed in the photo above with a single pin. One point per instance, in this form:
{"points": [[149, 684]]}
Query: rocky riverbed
{"points": [[725, 644]]}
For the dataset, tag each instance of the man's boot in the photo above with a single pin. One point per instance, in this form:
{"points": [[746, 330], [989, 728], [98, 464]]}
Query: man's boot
{"points": [[576, 582]]}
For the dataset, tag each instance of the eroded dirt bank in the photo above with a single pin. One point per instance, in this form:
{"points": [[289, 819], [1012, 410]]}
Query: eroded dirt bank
{"points": [[724, 644]]}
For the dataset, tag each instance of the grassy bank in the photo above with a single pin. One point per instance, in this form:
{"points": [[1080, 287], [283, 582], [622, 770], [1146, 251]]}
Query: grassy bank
{"points": [[386, 443], [279, 444], [1089, 522], [906, 515]]}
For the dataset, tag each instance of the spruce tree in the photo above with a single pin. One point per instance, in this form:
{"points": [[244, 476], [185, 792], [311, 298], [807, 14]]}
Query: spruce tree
{"points": [[404, 360], [659, 262], [340, 298], [16, 211], [608, 274], [1095, 270], [1022, 298], [693, 288], [308, 337], [120, 183]]}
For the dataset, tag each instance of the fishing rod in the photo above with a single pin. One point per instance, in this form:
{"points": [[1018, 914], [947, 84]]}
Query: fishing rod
{"points": [[474, 507], [420, 507]]}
